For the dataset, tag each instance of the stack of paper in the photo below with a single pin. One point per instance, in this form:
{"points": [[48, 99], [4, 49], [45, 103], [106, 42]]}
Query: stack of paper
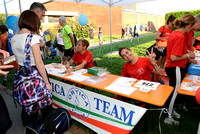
{"points": [[122, 85]]}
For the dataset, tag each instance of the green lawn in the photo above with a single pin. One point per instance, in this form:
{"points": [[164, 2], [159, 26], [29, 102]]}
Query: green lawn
{"points": [[150, 123]]}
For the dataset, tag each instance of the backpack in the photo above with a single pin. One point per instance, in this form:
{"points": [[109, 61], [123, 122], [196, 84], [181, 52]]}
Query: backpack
{"points": [[29, 88], [62, 121]]}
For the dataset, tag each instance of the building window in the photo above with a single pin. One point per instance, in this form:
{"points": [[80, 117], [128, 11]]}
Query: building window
{"points": [[52, 19]]}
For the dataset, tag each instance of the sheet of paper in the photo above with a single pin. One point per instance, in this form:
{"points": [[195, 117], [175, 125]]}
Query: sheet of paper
{"points": [[78, 77], [124, 81], [190, 77], [55, 71], [121, 89], [147, 84], [80, 72], [188, 86]]}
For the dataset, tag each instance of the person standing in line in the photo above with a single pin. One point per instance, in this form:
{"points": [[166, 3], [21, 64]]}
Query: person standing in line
{"points": [[40, 10], [123, 32], [29, 23], [60, 44], [48, 42], [68, 37], [91, 35], [177, 58], [136, 31], [100, 36]]}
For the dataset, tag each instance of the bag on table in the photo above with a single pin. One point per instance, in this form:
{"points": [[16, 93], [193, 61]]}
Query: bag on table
{"points": [[62, 121], [29, 88]]}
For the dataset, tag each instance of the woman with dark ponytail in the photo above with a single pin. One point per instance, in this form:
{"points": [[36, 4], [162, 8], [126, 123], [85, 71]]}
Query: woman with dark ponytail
{"points": [[161, 39]]}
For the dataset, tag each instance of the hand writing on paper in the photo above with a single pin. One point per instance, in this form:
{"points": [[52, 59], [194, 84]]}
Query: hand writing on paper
{"points": [[68, 70]]}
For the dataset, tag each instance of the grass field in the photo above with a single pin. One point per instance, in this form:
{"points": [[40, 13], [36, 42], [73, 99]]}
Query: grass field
{"points": [[150, 122]]}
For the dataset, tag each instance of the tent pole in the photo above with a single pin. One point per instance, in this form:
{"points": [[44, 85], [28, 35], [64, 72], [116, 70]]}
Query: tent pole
{"points": [[111, 32], [5, 8], [20, 7]]}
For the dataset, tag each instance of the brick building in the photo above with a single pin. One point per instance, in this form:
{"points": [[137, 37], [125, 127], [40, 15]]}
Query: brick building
{"points": [[121, 15]]}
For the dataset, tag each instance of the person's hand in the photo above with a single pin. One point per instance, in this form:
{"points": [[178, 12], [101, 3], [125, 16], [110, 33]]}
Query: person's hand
{"points": [[191, 54], [151, 56], [68, 70], [4, 54], [73, 48], [67, 66], [49, 87], [193, 61], [5, 67]]}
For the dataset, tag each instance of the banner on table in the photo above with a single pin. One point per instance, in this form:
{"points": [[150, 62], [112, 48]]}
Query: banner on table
{"points": [[98, 112]]}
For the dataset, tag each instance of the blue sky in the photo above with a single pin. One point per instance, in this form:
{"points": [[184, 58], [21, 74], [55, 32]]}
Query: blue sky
{"points": [[159, 7]]}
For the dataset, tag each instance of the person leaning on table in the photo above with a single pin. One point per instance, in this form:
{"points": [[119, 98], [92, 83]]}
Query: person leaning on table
{"points": [[82, 58], [5, 121], [138, 67]]}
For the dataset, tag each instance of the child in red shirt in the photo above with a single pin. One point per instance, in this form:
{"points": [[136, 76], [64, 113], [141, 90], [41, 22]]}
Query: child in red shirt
{"points": [[82, 58]]}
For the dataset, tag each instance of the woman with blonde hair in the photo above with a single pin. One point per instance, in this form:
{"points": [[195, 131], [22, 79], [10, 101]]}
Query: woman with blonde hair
{"points": [[178, 54]]}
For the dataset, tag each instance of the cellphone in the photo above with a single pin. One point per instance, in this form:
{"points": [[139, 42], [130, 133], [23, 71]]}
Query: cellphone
{"points": [[12, 60]]}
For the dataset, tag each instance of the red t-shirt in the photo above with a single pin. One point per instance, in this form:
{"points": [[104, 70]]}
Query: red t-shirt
{"points": [[176, 45], [140, 70], [87, 56], [166, 32], [189, 37]]}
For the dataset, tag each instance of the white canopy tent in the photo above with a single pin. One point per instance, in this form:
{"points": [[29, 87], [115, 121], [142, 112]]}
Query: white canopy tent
{"points": [[108, 3]]}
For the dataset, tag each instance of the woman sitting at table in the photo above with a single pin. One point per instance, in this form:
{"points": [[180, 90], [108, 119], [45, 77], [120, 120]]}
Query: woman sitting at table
{"points": [[82, 58], [137, 67]]}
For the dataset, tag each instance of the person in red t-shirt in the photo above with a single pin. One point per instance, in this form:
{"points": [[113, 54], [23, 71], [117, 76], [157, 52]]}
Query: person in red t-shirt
{"points": [[161, 39], [177, 57], [137, 67], [82, 58]]}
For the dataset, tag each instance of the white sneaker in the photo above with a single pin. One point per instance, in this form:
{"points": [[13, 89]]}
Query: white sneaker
{"points": [[171, 121], [175, 114]]}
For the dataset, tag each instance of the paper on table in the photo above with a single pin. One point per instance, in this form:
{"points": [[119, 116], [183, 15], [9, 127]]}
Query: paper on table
{"points": [[188, 86], [80, 72], [124, 81], [147, 84], [78, 77], [55, 71], [190, 77], [122, 85], [121, 89]]}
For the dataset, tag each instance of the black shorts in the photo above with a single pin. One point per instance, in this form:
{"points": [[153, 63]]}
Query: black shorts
{"points": [[69, 52], [60, 47], [136, 34], [48, 43]]}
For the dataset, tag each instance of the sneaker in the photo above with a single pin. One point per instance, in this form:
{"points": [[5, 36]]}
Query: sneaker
{"points": [[175, 114], [4, 81], [171, 121]]}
